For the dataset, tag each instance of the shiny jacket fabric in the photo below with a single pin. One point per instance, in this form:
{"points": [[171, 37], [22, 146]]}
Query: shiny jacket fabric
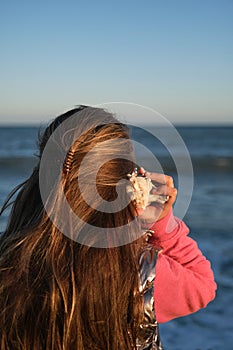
{"points": [[148, 333]]}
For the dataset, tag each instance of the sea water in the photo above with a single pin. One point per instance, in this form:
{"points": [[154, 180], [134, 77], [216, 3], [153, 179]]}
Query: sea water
{"points": [[209, 217]]}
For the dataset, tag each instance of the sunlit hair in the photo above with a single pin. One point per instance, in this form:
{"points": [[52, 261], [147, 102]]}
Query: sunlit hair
{"points": [[56, 293]]}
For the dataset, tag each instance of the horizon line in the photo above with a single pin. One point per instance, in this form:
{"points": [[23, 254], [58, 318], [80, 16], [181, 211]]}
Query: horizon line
{"points": [[176, 124]]}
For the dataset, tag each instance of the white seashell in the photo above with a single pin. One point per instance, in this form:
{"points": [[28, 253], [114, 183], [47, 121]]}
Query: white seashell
{"points": [[140, 189]]}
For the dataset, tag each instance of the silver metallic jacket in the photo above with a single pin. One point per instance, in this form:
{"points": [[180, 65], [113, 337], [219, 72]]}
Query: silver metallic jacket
{"points": [[148, 333]]}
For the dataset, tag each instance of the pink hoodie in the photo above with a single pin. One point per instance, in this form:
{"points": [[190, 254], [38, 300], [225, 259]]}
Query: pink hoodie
{"points": [[184, 280]]}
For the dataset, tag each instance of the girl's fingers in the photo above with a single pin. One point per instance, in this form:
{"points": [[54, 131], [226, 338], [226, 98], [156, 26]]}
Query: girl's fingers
{"points": [[164, 190], [160, 178], [164, 185], [170, 181]]}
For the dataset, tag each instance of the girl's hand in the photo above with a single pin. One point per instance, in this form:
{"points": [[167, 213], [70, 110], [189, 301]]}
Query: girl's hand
{"points": [[156, 211]]}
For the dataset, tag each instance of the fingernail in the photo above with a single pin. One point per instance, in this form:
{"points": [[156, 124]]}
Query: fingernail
{"points": [[142, 170]]}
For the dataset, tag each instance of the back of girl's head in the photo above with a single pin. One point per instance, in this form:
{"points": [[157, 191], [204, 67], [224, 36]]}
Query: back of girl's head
{"points": [[84, 156], [93, 152], [72, 293]]}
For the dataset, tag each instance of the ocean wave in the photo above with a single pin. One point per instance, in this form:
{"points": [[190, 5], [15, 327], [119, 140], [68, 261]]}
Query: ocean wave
{"points": [[200, 163], [17, 164]]}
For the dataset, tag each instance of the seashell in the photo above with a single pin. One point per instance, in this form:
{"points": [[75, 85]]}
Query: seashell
{"points": [[140, 189]]}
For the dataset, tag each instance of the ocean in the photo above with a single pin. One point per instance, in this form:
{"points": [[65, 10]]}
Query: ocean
{"points": [[209, 216]]}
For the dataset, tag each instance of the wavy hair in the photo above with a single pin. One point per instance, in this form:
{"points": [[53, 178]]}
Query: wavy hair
{"points": [[55, 292]]}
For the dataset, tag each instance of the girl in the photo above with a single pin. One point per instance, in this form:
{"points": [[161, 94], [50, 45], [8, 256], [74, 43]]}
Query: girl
{"points": [[85, 283]]}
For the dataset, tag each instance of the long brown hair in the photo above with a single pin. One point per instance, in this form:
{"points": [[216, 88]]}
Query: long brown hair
{"points": [[55, 292]]}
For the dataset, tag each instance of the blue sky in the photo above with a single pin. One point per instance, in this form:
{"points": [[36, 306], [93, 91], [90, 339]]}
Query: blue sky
{"points": [[175, 56]]}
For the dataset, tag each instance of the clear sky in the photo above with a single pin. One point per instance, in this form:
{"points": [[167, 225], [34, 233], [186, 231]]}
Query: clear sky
{"points": [[175, 56]]}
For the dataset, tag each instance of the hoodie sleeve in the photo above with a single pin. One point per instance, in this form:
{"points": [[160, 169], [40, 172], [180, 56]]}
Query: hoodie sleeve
{"points": [[184, 280]]}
